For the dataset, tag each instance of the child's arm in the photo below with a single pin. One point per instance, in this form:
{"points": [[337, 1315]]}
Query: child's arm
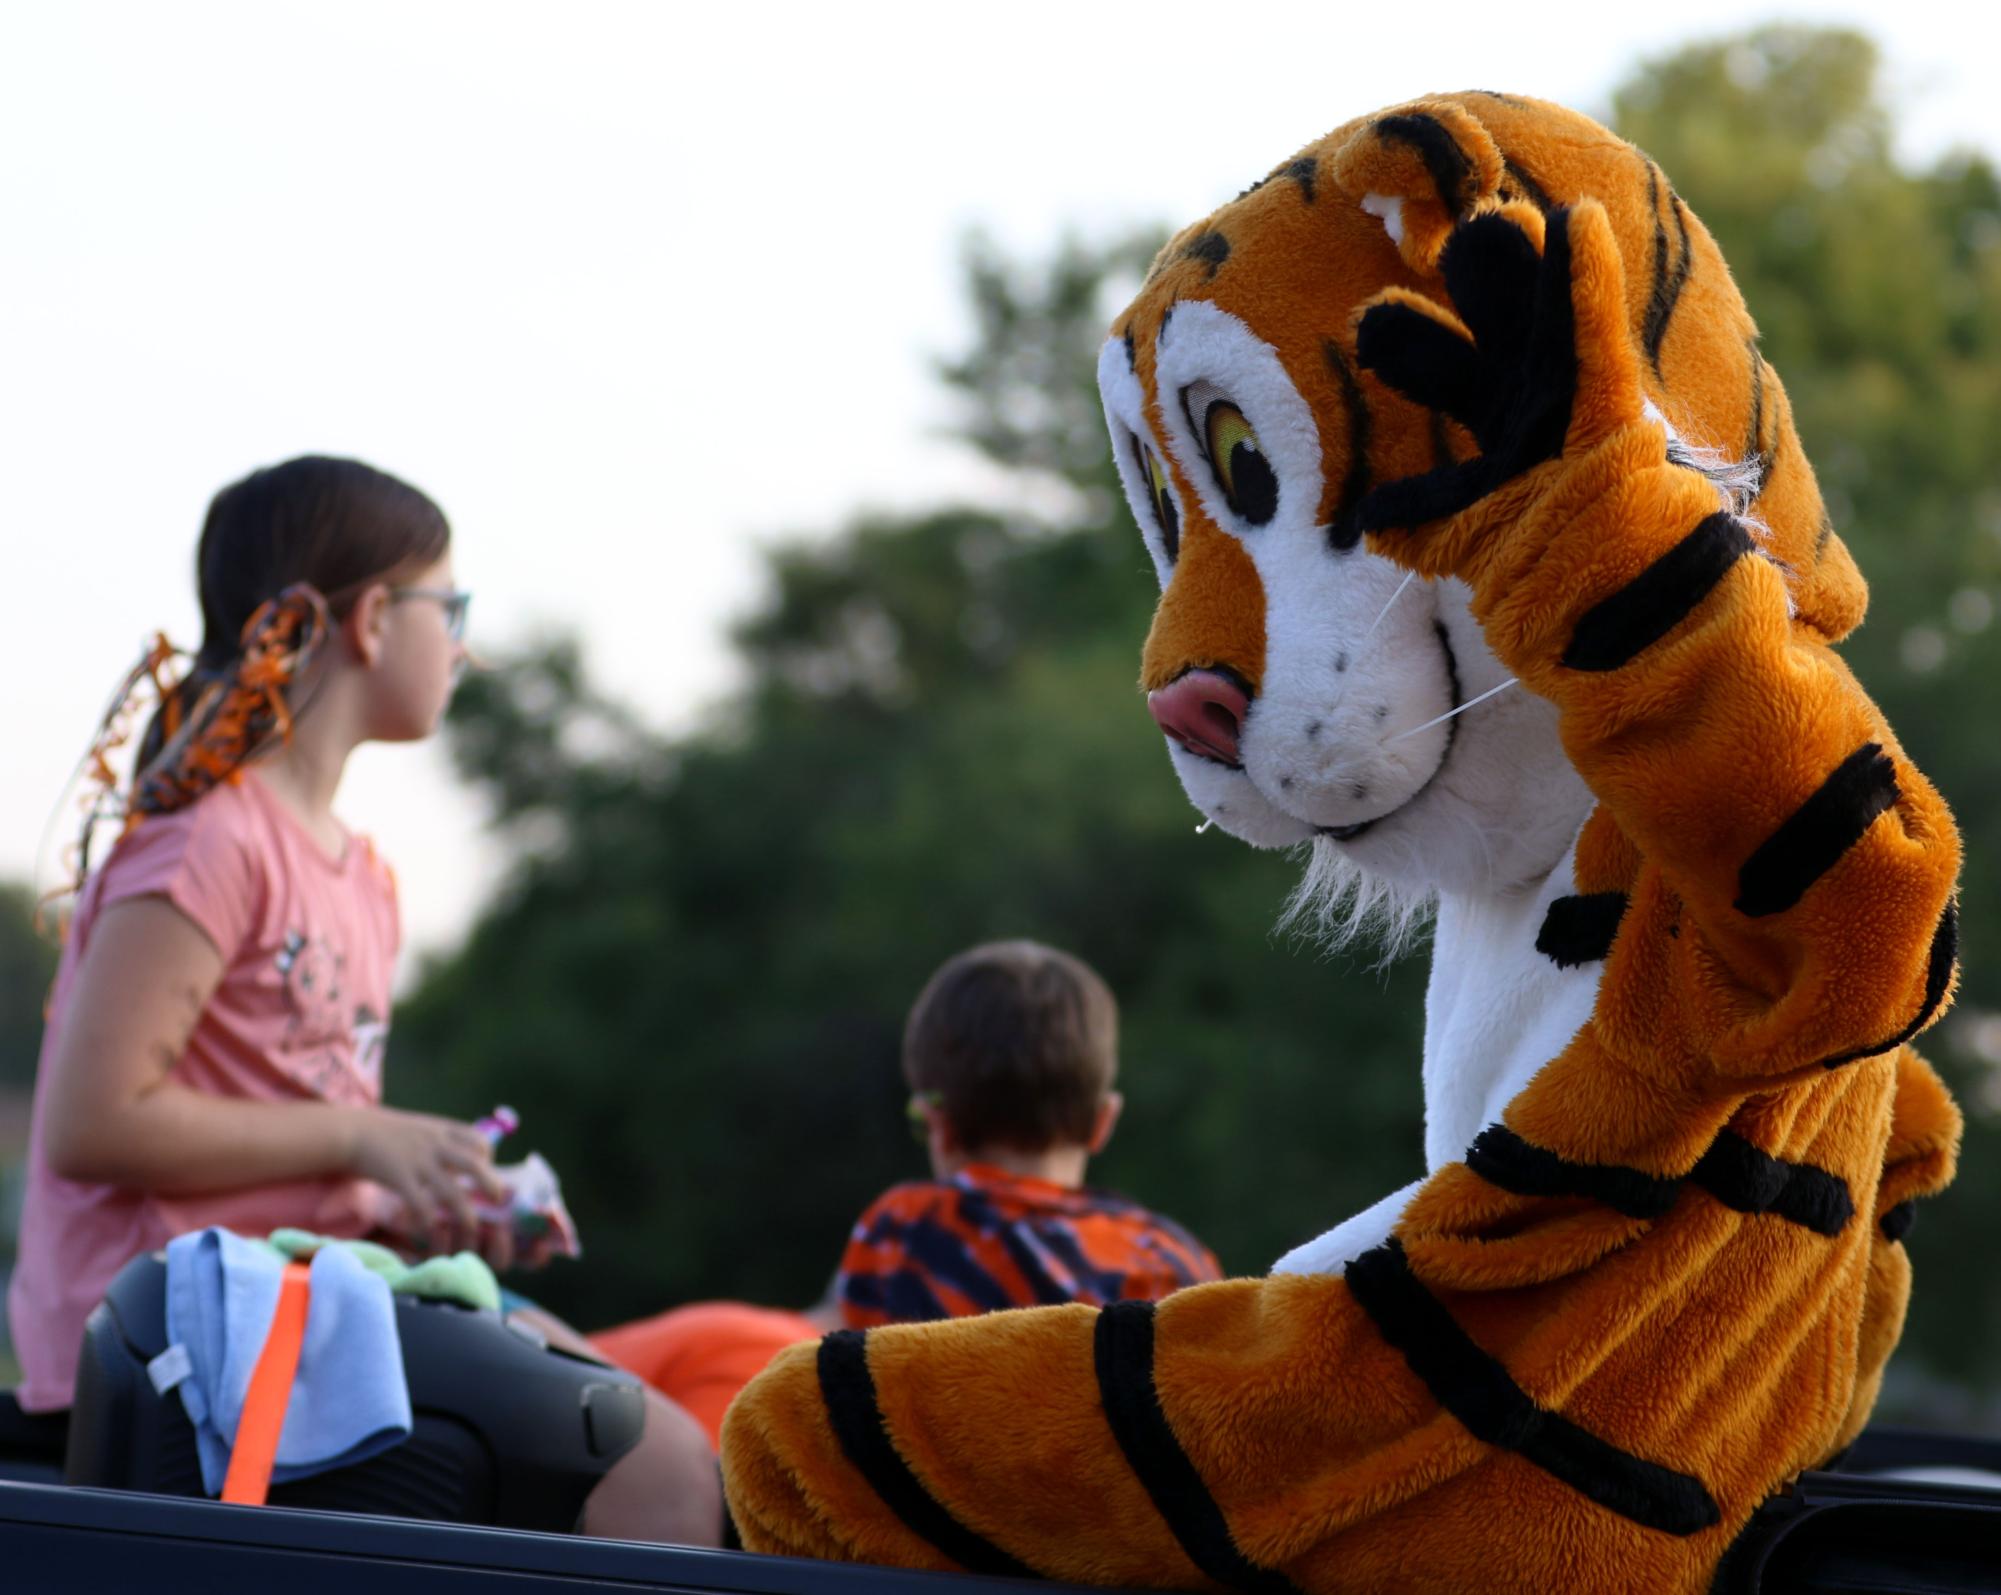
{"points": [[114, 1115]]}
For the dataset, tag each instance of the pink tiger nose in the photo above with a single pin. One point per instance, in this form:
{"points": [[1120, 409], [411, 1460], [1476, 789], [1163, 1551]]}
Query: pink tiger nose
{"points": [[1204, 711]]}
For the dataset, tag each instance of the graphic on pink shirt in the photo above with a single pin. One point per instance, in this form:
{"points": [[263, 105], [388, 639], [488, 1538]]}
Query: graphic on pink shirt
{"points": [[339, 1044], [371, 1045], [301, 1012]]}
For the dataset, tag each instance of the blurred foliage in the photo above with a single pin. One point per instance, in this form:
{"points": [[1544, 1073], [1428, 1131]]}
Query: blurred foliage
{"points": [[27, 965], [693, 984]]}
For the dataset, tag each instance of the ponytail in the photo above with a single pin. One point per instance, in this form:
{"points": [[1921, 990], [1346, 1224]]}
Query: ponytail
{"points": [[206, 723]]}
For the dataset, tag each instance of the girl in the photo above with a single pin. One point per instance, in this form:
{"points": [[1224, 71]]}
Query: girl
{"points": [[214, 1044]]}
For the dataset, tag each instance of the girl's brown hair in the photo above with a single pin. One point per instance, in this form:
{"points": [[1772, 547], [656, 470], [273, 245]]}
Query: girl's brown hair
{"points": [[334, 524]]}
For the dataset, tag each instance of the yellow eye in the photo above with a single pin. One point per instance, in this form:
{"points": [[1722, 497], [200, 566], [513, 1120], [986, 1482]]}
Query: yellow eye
{"points": [[1166, 515], [1242, 471]]}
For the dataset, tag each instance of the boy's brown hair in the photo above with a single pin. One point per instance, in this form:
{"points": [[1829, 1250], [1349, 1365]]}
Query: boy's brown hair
{"points": [[1019, 1042]]}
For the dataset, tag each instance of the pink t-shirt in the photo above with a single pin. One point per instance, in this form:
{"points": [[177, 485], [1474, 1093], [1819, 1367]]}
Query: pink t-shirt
{"points": [[302, 1012]]}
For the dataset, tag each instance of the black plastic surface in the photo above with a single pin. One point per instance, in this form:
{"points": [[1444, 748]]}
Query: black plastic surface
{"points": [[1884, 1446], [54, 1538], [31, 1444], [1839, 1532], [1831, 1533]]}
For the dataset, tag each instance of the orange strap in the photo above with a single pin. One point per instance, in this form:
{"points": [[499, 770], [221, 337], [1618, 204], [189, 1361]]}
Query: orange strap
{"points": [[249, 1478]]}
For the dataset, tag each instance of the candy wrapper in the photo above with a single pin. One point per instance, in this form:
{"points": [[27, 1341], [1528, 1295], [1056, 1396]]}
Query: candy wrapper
{"points": [[534, 1209]]}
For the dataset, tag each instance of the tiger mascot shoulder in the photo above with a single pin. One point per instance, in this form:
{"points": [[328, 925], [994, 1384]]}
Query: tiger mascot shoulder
{"points": [[1493, 571]]}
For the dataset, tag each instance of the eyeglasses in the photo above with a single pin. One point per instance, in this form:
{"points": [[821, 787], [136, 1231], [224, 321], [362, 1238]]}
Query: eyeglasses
{"points": [[454, 602], [918, 1112]]}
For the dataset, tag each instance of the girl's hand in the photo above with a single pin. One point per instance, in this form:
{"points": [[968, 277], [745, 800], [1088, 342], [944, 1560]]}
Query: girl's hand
{"points": [[536, 1253], [496, 1245], [426, 1161]]}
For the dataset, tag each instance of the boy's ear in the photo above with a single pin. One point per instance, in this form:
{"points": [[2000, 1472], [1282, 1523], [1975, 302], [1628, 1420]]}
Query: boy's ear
{"points": [[1107, 1121], [944, 1134]]}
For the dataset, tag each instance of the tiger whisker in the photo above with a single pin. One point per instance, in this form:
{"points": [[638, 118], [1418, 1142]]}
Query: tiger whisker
{"points": [[1409, 577], [1449, 713]]}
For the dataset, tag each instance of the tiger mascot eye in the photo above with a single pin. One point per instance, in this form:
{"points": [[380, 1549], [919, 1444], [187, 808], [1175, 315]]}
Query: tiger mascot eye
{"points": [[1493, 570]]}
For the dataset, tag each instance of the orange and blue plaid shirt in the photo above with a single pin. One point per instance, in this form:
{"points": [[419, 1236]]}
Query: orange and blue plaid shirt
{"points": [[985, 1239]]}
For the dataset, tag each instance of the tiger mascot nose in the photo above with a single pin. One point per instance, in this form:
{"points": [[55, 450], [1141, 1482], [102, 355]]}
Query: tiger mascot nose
{"points": [[1205, 653], [1203, 711]]}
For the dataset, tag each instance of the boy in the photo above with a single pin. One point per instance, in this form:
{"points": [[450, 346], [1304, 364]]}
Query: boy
{"points": [[1010, 1052]]}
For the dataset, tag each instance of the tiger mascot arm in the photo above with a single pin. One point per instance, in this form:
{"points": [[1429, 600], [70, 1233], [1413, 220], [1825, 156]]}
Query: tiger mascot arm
{"points": [[1744, 737], [1560, 1375], [1760, 787]]}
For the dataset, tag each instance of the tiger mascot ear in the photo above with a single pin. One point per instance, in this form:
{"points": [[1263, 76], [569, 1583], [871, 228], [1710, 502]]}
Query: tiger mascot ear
{"points": [[1424, 167]]}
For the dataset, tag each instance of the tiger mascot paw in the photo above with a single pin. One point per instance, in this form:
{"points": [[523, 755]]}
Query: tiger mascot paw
{"points": [[1537, 364]]}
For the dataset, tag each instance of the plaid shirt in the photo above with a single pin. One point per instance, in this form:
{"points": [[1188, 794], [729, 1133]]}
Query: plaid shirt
{"points": [[986, 1239]]}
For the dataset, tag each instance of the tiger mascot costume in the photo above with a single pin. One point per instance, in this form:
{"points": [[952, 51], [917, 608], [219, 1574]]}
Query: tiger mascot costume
{"points": [[1693, 904]]}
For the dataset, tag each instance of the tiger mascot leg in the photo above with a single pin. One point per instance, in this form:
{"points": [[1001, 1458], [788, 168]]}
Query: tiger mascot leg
{"points": [[1493, 570]]}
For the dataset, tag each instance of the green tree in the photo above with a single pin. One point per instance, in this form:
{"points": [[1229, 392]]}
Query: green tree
{"points": [[27, 965]]}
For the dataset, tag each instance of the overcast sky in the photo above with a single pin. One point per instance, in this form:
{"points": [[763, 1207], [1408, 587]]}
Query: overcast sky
{"points": [[629, 289]]}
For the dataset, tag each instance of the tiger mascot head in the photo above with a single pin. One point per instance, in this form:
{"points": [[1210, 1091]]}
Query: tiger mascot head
{"points": [[1310, 691]]}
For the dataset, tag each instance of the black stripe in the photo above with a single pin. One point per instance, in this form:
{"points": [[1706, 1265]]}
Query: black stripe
{"points": [[1443, 157], [945, 1258], [1301, 172], [1210, 247], [1616, 629], [1048, 1292], [1736, 1173], [1579, 930], [1175, 1258], [1101, 1284], [902, 1295], [1817, 833], [849, 1391], [1123, 1352], [1749, 1179], [1343, 531], [1503, 1158], [1754, 434], [1660, 243], [1478, 1391], [1938, 976], [1132, 359], [1897, 1221], [1668, 282], [1532, 191]]}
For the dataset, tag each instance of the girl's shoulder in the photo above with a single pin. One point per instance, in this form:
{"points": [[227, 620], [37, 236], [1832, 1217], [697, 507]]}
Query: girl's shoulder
{"points": [[222, 830], [211, 860]]}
